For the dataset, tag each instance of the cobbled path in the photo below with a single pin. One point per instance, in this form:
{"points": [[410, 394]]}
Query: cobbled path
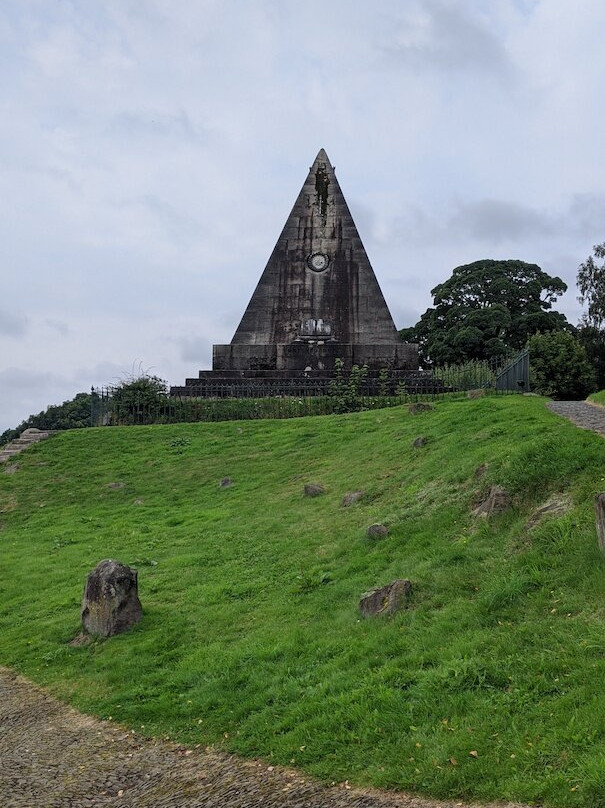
{"points": [[51, 756], [581, 413]]}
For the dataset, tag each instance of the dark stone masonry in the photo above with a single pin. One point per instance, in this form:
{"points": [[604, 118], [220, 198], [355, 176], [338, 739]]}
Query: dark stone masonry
{"points": [[317, 300]]}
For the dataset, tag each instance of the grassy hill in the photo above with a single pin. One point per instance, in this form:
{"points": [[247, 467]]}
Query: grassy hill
{"points": [[489, 686]]}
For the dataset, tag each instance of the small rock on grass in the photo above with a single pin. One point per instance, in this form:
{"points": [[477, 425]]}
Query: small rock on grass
{"points": [[351, 498], [314, 490], [480, 471], [80, 639], [555, 506], [420, 442], [116, 486], [386, 600], [110, 604], [420, 406], [377, 531], [226, 482], [497, 500]]}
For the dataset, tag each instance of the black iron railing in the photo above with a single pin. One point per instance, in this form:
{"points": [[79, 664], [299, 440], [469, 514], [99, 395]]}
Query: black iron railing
{"points": [[245, 399]]}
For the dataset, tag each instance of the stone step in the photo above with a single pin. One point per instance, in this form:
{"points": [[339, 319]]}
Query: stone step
{"points": [[33, 437], [25, 440]]}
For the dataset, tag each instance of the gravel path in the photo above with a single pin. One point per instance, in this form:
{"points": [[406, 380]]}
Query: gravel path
{"points": [[51, 756], [581, 413]]}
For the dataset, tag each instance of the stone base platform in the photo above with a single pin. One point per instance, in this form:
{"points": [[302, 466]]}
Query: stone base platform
{"points": [[261, 383]]}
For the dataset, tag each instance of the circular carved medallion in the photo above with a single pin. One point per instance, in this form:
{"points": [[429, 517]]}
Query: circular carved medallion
{"points": [[318, 262]]}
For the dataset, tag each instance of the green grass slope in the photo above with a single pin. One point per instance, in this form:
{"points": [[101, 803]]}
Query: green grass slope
{"points": [[489, 686], [597, 398]]}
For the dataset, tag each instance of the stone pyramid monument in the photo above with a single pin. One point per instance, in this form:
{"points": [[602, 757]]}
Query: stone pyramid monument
{"points": [[317, 300]]}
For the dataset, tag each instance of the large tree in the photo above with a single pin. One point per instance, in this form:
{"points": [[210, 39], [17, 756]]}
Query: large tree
{"points": [[485, 309], [591, 286]]}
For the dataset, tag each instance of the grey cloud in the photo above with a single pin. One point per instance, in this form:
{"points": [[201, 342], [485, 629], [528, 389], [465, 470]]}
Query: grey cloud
{"points": [[26, 392], [415, 225], [587, 214], [440, 35], [404, 316], [154, 123], [176, 222], [13, 324], [107, 373], [490, 221], [229, 316], [59, 326], [21, 379], [496, 220], [364, 218], [57, 175], [194, 349]]}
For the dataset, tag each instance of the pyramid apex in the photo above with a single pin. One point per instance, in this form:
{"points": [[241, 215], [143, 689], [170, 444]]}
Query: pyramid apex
{"points": [[322, 157]]}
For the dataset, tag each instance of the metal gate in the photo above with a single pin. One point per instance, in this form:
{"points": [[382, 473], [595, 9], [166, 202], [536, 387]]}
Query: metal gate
{"points": [[514, 376]]}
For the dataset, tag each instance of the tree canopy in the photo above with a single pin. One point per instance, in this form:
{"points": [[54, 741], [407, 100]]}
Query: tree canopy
{"points": [[485, 309], [591, 286]]}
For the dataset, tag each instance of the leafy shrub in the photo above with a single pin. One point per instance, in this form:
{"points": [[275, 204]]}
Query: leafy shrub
{"points": [[346, 391], [559, 366], [138, 399]]}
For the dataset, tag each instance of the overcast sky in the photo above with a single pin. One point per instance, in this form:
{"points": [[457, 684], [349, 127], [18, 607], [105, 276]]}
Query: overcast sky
{"points": [[151, 151]]}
